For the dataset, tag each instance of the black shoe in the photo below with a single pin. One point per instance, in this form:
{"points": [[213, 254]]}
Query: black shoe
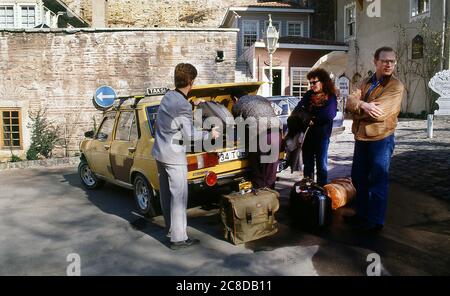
{"points": [[183, 244], [369, 228], [354, 220]]}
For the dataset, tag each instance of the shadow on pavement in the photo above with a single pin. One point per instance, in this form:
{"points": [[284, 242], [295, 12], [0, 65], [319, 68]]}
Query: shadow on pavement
{"points": [[340, 250], [423, 170], [118, 201]]}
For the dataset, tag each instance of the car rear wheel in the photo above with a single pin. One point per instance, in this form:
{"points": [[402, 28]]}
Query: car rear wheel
{"points": [[88, 178], [144, 197]]}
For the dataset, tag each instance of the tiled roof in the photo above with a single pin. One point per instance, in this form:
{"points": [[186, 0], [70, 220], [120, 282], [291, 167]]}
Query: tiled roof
{"points": [[303, 40]]}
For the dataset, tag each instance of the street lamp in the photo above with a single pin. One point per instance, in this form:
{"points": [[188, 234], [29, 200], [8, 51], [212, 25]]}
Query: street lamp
{"points": [[271, 45]]}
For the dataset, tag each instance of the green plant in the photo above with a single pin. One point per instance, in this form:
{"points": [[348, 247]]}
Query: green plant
{"points": [[32, 153], [44, 135], [95, 124], [422, 115], [15, 158]]}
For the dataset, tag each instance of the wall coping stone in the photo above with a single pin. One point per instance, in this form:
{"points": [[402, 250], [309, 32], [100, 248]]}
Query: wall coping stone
{"points": [[51, 162], [99, 30]]}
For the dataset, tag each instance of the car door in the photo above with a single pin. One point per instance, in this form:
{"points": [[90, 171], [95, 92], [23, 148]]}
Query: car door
{"points": [[101, 145], [124, 145]]}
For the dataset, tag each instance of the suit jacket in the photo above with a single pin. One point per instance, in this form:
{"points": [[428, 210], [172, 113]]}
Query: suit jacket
{"points": [[389, 95], [174, 129]]}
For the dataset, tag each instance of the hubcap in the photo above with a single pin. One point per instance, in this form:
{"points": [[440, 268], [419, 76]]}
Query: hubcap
{"points": [[87, 176], [142, 194]]}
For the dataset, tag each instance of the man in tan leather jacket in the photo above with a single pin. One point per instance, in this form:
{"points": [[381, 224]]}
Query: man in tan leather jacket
{"points": [[375, 108]]}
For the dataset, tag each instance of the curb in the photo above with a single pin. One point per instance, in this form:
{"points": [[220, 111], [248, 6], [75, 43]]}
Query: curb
{"points": [[43, 163]]}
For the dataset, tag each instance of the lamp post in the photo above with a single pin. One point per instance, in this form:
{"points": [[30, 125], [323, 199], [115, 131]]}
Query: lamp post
{"points": [[271, 44]]}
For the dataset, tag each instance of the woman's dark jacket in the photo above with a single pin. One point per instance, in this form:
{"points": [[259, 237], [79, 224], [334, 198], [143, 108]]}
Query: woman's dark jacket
{"points": [[322, 116]]}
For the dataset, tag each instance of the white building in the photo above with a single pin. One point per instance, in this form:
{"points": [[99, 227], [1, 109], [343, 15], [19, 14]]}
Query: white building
{"points": [[25, 14]]}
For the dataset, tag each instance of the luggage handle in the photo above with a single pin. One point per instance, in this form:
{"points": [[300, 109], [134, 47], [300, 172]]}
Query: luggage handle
{"points": [[248, 216]]}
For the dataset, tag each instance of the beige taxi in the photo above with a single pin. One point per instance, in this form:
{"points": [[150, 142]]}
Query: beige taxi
{"points": [[119, 151]]}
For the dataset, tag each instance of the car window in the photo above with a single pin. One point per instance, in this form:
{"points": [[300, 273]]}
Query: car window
{"points": [[152, 111], [134, 135], [124, 126], [281, 107], [105, 131]]}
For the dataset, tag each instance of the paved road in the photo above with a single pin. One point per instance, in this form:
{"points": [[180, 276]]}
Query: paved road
{"points": [[45, 215]]}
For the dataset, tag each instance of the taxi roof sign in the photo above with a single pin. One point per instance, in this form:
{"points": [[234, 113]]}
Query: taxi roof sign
{"points": [[156, 91]]}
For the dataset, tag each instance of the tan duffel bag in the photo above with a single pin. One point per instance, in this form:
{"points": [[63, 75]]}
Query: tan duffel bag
{"points": [[341, 191]]}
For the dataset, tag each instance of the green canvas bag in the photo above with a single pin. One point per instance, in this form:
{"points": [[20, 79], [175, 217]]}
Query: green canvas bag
{"points": [[250, 216]]}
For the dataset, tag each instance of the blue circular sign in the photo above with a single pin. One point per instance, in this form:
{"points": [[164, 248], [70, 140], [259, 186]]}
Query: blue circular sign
{"points": [[104, 97]]}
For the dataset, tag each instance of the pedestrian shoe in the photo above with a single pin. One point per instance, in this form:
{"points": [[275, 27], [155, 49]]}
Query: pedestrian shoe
{"points": [[369, 228], [183, 244], [354, 220]]}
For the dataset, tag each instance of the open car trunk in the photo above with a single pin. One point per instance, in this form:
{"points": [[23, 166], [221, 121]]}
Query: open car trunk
{"points": [[219, 102]]}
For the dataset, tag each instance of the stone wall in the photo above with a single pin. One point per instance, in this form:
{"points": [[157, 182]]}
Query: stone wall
{"points": [[59, 70], [160, 13], [188, 13]]}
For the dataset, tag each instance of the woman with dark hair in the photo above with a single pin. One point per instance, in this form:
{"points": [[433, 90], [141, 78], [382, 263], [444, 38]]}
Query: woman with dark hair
{"points": [[321, 102]]}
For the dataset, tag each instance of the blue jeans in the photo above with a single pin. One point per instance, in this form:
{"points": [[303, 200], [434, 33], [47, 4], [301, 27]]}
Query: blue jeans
{"points": [[370, 175], [315, 152]]}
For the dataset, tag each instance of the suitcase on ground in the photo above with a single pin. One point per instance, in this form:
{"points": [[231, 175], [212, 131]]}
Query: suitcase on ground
{"points": [[341, 191], [309, 206], [249, 216]]}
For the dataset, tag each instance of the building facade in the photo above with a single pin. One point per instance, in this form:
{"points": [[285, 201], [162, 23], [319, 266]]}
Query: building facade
{"points": [[298, 49], [26, 14], [368, 25]]}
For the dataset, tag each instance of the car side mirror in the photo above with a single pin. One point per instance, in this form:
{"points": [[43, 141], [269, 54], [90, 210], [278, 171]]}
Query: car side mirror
{"points": [[89, 134]]}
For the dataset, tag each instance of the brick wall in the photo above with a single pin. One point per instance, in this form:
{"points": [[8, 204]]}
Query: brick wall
{"points": [[60, 71]]}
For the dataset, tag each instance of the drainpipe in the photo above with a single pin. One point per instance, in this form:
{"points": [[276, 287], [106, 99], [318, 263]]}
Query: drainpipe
{"points": [[335, 20]]}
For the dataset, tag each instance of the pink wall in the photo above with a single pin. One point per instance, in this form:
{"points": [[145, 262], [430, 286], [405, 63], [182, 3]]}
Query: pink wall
{"points": [[287, 58]]}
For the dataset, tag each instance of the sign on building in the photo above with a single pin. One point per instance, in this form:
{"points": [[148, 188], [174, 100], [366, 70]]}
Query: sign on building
{"points": [[417, 48], [344, 86]]}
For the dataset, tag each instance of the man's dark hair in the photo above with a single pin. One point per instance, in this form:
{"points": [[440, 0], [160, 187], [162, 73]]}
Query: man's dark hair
{"points": [[184, 75], [324, 77], [381, 49]]}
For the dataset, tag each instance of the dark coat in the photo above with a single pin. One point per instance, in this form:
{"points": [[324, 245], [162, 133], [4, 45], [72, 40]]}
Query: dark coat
{"points": [[322, 116]]}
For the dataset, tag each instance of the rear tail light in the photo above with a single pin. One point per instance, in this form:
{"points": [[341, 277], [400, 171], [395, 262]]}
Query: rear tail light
{"points": [[211, 179], [206, 160]]}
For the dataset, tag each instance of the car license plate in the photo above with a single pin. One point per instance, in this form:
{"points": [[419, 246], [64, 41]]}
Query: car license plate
{"points": [[231, 155]]}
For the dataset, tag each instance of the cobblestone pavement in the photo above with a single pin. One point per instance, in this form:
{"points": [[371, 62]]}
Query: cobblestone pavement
{"points": [[419, 163]]}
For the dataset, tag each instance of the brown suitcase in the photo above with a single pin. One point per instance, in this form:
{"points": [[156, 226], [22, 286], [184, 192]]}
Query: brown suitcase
{"points": [[249, 216]]}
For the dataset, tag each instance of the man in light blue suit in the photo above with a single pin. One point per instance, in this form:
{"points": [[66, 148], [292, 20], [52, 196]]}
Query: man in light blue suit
{"points": [[174, 132]]}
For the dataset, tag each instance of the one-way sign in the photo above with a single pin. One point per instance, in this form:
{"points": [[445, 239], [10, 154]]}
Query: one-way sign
{"points": [[104, 97]]}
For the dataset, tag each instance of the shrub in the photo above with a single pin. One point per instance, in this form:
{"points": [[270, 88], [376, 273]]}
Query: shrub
{"points": [[44, 135], [32, 153], [15, 158]]}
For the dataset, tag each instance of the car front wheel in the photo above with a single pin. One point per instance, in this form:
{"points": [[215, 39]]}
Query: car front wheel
{"points": [[144, 197], [88, 178]]}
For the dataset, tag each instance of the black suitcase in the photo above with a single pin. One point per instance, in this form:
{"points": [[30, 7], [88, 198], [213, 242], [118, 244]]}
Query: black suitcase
{"points": [[309, 205]]}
